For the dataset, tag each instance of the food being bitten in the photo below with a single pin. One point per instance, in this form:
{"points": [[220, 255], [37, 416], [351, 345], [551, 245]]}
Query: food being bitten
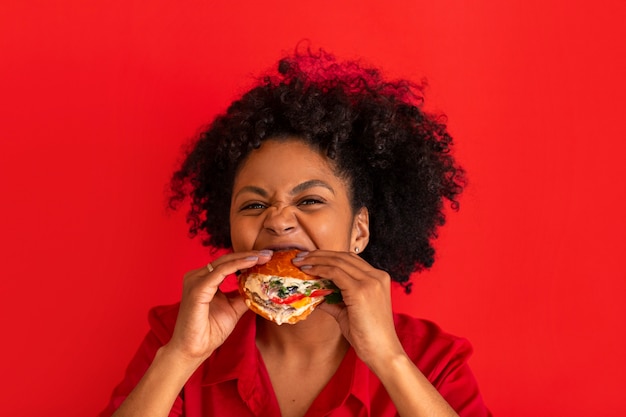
{"points": [[281, 292]]}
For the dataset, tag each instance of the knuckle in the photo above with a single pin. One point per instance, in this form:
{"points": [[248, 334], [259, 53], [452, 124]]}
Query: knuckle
{"points": [[188, 278], [191, 278]]}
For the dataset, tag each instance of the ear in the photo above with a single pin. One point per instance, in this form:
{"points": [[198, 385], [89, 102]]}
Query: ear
{"points": [[360, 231]]}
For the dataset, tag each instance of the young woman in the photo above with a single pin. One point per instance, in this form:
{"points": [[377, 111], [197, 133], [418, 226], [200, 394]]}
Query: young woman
{"points": [[331, 159]]}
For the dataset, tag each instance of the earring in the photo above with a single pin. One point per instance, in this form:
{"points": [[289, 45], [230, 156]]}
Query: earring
{"points": [[356, 250]]}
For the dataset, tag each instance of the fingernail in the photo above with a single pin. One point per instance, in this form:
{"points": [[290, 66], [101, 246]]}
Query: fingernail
{"points": [[265, 252], [300, 256], [306, 267], [251, 258]]}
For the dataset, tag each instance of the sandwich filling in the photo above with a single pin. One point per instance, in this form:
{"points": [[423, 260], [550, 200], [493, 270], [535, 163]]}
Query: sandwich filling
{"points": [[284, 297]]}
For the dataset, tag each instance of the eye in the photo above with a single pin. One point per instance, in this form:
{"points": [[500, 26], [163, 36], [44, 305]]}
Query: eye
{"points": [[253, 206], [311, 201]]}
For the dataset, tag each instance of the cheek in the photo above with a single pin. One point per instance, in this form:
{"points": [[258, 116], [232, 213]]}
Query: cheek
{"points": [[242, 234], [331, 234]]}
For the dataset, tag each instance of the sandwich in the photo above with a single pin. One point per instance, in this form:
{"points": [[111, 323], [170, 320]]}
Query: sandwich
{"points": [[280, 292]]}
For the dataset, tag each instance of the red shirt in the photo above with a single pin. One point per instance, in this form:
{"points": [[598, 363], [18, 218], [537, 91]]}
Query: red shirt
{"points": [[235, 382]]}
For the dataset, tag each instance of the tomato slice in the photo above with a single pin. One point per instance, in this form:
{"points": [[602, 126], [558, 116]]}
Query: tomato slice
{"points": [[295, 297], [288, 300], [321, 293]]}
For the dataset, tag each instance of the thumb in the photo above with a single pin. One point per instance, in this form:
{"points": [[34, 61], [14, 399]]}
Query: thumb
{"points": [[238, 305], [334, 310]]}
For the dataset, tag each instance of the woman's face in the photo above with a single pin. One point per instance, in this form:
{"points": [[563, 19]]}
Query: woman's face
{"points": [[286, 195]]}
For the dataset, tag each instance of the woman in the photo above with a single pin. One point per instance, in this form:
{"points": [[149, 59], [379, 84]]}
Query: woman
{"points": [[330, 159]]}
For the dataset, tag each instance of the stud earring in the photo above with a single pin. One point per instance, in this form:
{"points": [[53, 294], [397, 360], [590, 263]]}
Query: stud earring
{"points": [[356, 250]]}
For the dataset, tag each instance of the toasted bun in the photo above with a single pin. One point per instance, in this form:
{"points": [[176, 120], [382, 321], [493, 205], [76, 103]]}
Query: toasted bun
{"points": [[280, 267]]}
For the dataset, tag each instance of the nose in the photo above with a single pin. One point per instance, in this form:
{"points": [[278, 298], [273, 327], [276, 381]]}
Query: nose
{"points": [[280, 220]]}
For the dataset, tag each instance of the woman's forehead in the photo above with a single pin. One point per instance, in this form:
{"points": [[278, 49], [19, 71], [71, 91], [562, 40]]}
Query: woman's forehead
{"points": [[286, 161], [284, 154]]}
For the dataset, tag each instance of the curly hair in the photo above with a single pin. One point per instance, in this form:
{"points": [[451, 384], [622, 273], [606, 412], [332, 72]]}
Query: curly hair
{"points": [[396, 158]]}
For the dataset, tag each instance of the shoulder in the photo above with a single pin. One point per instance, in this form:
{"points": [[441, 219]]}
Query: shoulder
{"points": [[162, 320], [431, 348], [419, 330], [443, 359]]}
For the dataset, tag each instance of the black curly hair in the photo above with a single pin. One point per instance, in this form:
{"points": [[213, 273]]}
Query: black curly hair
{"points": [[395, 156]]}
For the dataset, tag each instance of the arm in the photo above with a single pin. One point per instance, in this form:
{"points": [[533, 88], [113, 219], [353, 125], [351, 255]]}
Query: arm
{"points": [[157, 390], [206, 318], [411, 392], [368, 326]]}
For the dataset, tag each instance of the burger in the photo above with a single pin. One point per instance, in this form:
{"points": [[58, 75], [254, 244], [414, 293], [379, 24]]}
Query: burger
{"points": [[280, 292]]}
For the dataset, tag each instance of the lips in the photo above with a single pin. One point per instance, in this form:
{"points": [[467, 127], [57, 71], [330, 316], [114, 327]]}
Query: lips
{"points": [[285, 247]]}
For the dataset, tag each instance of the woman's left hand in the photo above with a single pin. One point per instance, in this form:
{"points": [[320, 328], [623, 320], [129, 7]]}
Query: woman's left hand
{"points": [[365, 316], [366, 320]]}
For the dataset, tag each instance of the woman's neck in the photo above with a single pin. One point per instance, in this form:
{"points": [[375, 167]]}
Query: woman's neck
{"points": [[300, 359], [317, 336]]}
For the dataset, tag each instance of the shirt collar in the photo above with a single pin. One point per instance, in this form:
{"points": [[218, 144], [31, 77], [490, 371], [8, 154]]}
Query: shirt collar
{"points": [[351, 378], [360, 386], [239, 359]]}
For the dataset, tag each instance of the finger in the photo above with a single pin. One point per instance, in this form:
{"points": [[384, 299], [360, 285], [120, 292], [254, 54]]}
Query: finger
{"points": [[344, 260], [200, 285], [358, 286], [341, 267], [215, 272], [229, 263]]}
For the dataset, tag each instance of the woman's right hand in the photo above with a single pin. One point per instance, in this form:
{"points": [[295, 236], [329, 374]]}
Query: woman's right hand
{"points": [[205, 319], [207, 316]]}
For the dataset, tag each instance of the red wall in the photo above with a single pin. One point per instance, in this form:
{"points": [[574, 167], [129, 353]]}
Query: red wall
{"points": [[97, 98]]}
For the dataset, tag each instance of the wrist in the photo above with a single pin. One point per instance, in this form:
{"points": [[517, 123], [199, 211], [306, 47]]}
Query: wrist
{"points": [[410, 390], [163, 381], [379, 359], [179, 362], [390, 363]]}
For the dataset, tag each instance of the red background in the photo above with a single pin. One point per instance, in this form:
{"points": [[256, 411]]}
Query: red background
{"points": [[97, 98]]}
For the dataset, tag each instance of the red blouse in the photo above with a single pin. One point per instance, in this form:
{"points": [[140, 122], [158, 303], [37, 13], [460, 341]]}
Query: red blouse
{"points": [[235, 382]]}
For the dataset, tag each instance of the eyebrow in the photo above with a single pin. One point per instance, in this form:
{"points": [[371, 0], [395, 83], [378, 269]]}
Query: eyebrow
{"points": [[297, 189], [311, 184]]}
